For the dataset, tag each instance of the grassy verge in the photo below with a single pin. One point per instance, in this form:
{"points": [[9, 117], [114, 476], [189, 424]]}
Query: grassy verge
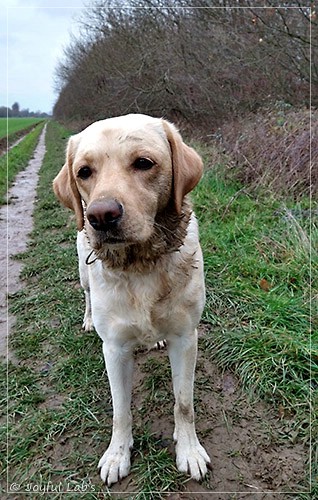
{"points": [[257, 323], [17, 159], [259, 287]]}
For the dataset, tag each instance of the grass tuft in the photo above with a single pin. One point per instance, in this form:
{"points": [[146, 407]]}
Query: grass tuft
{"points": [[155, 472]]}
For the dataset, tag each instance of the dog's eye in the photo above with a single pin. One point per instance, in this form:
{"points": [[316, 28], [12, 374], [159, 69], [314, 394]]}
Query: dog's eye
{"points": [[143, 164], [84, 173]]}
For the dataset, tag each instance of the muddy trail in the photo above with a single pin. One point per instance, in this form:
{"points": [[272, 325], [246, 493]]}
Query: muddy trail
{"points": [[251, 450], [15, 226]]}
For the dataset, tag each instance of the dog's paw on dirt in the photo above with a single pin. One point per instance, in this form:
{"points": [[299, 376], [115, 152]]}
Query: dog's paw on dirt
{"points": [[192, 460], [114, 464]]}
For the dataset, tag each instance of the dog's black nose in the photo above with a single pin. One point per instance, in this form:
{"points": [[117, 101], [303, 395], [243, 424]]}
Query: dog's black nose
{"points": [[104, 214]]}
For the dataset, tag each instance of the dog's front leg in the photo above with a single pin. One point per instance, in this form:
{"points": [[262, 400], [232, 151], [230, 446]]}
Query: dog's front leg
{"points": [[191, 457], [83, 250], [115, 463]]}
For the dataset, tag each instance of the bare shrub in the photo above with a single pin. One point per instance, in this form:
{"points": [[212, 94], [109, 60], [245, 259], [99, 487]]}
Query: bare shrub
{"points": [[272, 150]]}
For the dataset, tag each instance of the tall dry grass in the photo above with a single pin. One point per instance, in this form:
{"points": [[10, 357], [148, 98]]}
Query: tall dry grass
{"points": [[276, 149]]}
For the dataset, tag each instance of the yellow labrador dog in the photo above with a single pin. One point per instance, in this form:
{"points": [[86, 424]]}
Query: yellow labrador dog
{"points": [[126, 179]]}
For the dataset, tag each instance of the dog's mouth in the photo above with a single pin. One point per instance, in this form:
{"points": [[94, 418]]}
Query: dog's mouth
{"points": [[115, 241], [102, 239], [112, 243], [110, 239]]}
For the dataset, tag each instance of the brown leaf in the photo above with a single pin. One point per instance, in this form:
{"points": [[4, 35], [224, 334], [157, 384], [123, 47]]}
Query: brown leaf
{"points": [[265, 285]]}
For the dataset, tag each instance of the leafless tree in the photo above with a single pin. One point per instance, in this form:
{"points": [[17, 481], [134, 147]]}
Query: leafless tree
{"points": [[200, 62]]}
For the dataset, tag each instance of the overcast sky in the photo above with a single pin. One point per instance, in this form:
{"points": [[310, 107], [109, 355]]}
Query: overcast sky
{"points": [[32, 36]]}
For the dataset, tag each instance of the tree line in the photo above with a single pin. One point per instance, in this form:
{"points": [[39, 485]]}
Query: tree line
{"points": [[16, 112], [201, 62]]}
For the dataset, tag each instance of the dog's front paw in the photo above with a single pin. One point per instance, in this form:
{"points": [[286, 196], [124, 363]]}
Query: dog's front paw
{"points": [[192, 459], [114, 464], [88, 324]]}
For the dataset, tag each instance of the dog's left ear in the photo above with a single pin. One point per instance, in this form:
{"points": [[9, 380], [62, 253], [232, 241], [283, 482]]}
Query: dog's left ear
{"points": [[186, 163], [65, 189]]}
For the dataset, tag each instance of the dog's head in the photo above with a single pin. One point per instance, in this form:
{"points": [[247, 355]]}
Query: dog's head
{"points": [[126, 170]]}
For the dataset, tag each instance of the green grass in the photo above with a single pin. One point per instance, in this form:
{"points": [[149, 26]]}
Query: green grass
{"points": [[12, 125], [261, 276], [17, 159], [59, 395], [258, 276], [155, 473]]}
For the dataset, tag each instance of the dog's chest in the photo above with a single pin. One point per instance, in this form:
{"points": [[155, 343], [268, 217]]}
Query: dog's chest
{"points": [[132, 305]]}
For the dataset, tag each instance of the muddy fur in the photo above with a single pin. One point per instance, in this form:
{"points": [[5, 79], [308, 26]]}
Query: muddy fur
{"points": [[168, 236]]}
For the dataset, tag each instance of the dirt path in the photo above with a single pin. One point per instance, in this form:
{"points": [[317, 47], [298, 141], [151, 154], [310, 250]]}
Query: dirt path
{"points": [[15, 225]]}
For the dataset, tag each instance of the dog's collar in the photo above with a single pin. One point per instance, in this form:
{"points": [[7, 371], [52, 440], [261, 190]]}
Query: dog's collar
{"points": [[89, 262]]}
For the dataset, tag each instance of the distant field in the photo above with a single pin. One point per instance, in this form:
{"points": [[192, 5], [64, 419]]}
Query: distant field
{"points": [[15, 124]]}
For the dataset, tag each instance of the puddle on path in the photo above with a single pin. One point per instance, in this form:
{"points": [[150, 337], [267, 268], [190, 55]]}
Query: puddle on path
{"points": [[16, 223]]}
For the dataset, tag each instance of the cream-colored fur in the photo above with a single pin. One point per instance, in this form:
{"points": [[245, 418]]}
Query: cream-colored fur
{"points": [[142, 272]]}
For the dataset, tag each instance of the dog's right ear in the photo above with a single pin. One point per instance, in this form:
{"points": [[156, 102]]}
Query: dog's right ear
{"points": [[65, 188]]}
